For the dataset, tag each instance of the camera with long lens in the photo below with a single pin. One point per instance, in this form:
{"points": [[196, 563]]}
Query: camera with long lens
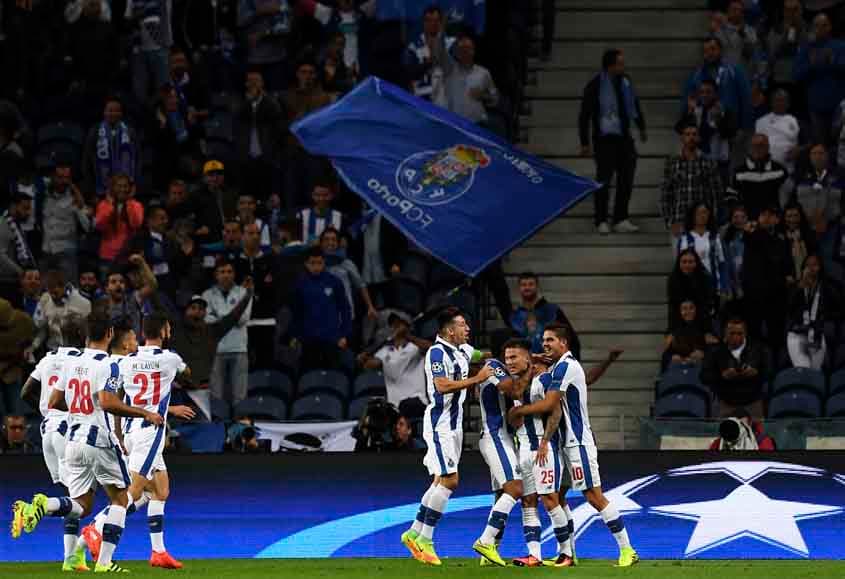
{"points": [[375, 428]]}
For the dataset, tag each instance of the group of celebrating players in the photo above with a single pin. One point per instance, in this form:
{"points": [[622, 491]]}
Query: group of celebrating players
{"points": [[539, 400], [104, 402]]}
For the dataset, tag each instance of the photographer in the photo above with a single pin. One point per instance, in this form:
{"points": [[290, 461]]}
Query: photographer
{"points": [[242, 437], [375, 430], [741, 432]]}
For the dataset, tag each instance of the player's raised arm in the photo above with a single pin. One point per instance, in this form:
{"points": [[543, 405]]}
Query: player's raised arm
{"points": [[31, 392], [446, 386]]}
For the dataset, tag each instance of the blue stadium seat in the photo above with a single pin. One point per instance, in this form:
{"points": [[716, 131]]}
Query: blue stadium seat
{"points": [[444, 277], [272, 383], [837, 382], [357, 407], [268, 407], [415, 267], [796, 403], [318, 406], [369, 384], [800, 378], [220, 410], [835, 406], [324, 380], [682, 405], [681, 378]]}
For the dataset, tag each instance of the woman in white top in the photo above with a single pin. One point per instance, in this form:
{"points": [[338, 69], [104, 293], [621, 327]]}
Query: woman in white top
{"points": [[701, 235]]}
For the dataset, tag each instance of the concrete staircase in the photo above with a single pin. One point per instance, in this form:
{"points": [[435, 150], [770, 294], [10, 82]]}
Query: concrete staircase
{"points": [[613, 288]]}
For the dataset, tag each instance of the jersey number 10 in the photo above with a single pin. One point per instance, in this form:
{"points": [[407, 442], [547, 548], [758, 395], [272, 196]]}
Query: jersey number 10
{"points": [[145, 384]]}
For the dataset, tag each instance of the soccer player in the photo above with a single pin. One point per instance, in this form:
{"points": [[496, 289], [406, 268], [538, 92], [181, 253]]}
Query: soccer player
{"points": [[496, 445], [568, 390], [87, 389], [446, 370], [37, 391]]}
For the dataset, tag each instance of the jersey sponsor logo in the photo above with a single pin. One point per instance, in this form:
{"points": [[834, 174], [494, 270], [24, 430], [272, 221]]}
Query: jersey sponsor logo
{"points": [[439, 177]]}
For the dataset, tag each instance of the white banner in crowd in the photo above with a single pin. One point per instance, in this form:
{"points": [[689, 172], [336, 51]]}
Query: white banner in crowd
{"points": [[308, 436]]}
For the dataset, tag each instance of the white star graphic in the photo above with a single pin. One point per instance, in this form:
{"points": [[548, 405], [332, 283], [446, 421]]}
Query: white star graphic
{"points": [[746, 512]]}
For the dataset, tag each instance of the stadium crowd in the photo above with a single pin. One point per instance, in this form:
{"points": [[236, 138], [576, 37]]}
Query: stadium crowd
{"points": [[146, 164]]}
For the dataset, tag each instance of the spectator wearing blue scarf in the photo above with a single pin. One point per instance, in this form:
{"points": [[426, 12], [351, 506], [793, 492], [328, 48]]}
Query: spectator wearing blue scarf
{"points": [[610, 105]]}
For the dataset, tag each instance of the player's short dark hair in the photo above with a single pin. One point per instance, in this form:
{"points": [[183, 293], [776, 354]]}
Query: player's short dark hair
{"points": [[122, 326], [154, 324], [562, 331], [447, 316], [98, 326], [74, 331], [528, 275], [609, 58], [518, 343]]}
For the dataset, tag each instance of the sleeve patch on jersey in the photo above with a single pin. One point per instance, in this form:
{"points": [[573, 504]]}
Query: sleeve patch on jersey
{"points": [[100, 356], [114, 383], [437, 368]]}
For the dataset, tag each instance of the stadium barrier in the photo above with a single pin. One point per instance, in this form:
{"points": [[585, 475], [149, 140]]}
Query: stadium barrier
{"points": [[675, 504]]}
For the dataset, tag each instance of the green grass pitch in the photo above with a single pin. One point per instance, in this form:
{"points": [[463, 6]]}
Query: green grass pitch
{"points": [[453, 569]]}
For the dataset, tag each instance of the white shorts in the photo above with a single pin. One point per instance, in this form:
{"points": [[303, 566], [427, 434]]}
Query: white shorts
{"points": [[444, 451], [53, 447], [86, 464], [583, 466], [536, 479], [500, 455], [145, 447]]}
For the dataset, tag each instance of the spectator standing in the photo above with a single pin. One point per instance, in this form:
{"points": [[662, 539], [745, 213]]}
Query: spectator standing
{"points": [[767, 273], [119, 217], [178, 204], [268, 25], [214, 203], [57, 304], [608, 108], [122, 302], [30, 291], [736, 371], [346, 271], [64, 219], [784, 39], [469, 86], [700, 234], [819, 191], [424, 58], [402, 360], [172, 136], [799, 234], [12, 164], [820, 66], [227, 250], [168, 260], [89, 282], [782, 130], [321, 316], [192, 93], [759, 181], [733, 240], [734, 86], [716, 126], [196, 342], [545, 312], [688, 179], [231, 362], [315, 219], [247, 207], [15, 439], [813, 302], [260, 138], [111, 148], [335, 76], [689, 280], [152, 40], [253, 263], [15, 253], [740, 45], [16, 333]]}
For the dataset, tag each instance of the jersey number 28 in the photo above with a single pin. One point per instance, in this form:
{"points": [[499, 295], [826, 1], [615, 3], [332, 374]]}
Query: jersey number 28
{"points": [[145, 384], [82, 402]]}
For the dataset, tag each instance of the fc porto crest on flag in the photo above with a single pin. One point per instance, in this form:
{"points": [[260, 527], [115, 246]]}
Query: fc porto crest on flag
{"points": [[437, 177]]}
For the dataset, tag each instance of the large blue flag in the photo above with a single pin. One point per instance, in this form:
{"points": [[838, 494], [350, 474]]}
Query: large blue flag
{"points": [[455, 189]]}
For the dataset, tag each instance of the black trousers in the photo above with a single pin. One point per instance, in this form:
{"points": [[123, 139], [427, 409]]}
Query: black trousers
{"points": [[615, 155]]}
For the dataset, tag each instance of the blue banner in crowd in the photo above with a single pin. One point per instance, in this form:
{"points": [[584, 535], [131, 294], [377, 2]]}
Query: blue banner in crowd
{"points": [[455, 189], [470, 12]]}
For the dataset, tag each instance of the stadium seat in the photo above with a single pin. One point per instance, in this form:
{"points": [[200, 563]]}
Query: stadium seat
{"points": [[444, 277], [415, 268], [268, 407], [682, 404], [270, 383], [835, 406], [681, 378], [800, 378], [58, 142], [61, 132], [220, 137], [220, 410], [318, 406], [331, 380], [837, 382], [797, 403], [369, 384], [357, 407]]}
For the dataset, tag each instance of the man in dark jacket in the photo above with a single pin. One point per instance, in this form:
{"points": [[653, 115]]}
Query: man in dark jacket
{"points": [[544, 312], [736, 371], [168, 261], [260, 138], [322, 319], [767, 272], [214, 204], [608, 108], [253, 262], [757, 182]]}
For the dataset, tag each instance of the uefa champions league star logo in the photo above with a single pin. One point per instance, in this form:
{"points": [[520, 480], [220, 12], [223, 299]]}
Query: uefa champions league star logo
{"points": [[438, 177]]}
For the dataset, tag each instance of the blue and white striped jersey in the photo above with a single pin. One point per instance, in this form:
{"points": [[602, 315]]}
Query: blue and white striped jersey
{"points": [[84, 377], [445, 412], [568, 377], [148, 376], [534, 427], [494, 404], [48, 372]]}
